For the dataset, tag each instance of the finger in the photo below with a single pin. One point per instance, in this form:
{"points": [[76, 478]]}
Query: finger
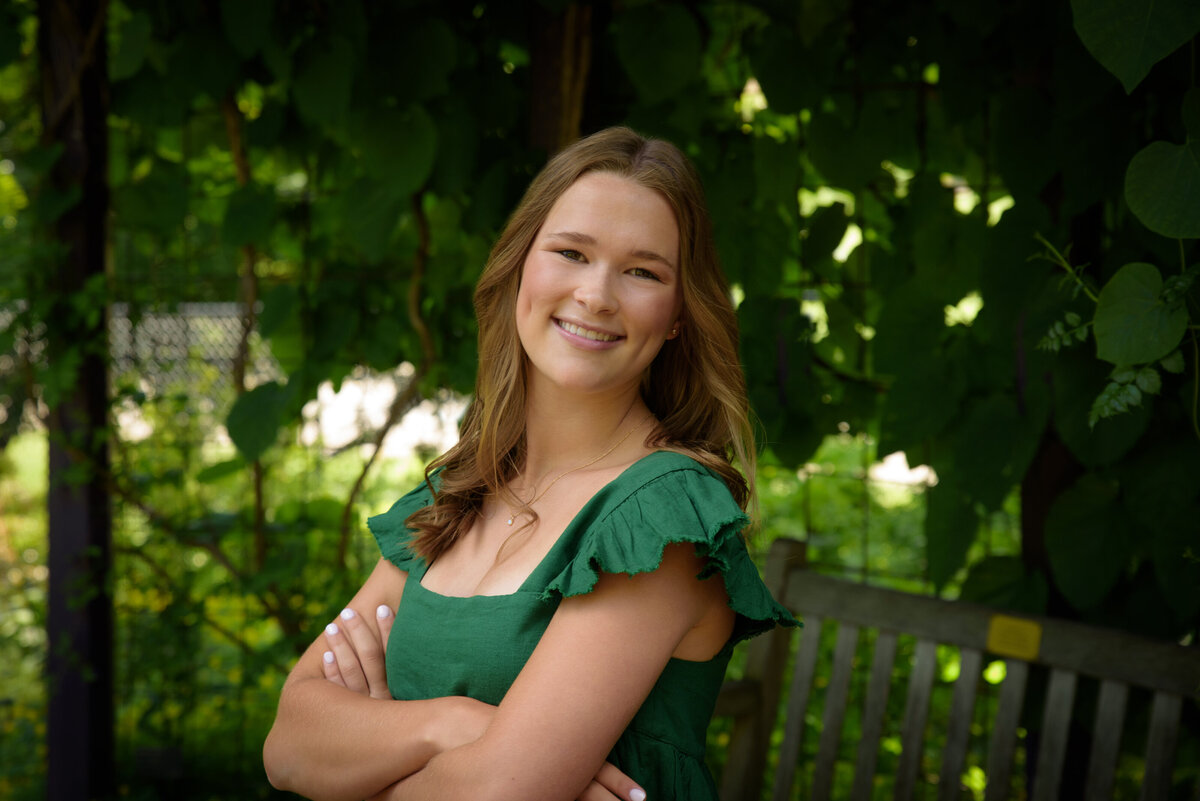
{"points": [[347, 659], [365, 639], [330, 669], [385, 618], [597, 792], [616, 782]]}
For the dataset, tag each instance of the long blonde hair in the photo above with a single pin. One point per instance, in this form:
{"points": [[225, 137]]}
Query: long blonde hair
{"points": [[695, 386]]}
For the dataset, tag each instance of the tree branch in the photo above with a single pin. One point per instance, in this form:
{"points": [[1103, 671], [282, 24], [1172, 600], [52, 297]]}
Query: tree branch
{"points": [[170, 582], [408, 396], [89, 51], [249, 292]]}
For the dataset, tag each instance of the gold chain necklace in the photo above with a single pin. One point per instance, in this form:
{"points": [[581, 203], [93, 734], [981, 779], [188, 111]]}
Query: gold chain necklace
{"points": [[512, 515]]}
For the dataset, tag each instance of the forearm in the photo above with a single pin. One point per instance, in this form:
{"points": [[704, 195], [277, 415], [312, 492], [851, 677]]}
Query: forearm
{"points": [[476, 772], [331, 744]]}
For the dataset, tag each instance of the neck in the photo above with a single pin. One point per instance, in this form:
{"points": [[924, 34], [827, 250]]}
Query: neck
{"points": [[563, 432]]}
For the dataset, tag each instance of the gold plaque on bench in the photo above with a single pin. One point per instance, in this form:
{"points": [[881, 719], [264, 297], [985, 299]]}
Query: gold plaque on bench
{"points": [[1014, 637]]}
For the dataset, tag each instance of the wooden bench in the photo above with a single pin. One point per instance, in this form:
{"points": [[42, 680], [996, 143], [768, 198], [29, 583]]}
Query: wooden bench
{"points": [[1168, 675]]}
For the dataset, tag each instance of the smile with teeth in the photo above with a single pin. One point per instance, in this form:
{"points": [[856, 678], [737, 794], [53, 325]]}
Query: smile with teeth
{"points": [[587, 333]]}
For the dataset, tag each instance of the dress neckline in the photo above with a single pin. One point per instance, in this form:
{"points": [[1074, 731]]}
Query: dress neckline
{"points": [[585, 512]]}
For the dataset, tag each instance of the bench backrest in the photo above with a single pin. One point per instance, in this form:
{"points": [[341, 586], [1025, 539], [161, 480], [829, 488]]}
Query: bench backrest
{"points": [[1169, 675]]}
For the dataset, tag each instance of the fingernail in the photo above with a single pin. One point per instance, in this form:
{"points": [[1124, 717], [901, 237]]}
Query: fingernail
{"points": [[347, 614], [637, 794], [383, 611], [328, 657], [331, 629]]}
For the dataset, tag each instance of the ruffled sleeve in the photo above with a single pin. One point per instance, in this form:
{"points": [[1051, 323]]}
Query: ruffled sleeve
{"points": [[685, 504], [393, 536]]}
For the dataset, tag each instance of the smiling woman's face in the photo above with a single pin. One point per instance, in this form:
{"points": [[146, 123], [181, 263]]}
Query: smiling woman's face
{"points": [[600, 287]]}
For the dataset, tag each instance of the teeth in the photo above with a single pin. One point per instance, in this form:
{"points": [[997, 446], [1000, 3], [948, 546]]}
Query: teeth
{"points": [[598, 336]]}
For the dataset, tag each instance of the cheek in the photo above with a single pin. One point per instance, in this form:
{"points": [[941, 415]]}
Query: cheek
{"points": [[531, 295]]}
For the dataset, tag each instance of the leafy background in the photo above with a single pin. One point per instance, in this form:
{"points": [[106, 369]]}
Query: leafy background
{"points": [[964, 231]]}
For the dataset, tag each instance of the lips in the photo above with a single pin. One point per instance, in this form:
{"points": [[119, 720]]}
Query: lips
{"points": [[587, 333]]}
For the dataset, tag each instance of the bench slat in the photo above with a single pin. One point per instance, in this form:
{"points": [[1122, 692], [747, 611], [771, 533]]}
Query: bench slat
{"points": [[916, 712], [874, 708], [1106, 741], [1088, 650], [766, 660], [835, 712], [1004, 730], [1071, 651], [958, 731], [1056, 724], [1160, 745], [793, 727]]}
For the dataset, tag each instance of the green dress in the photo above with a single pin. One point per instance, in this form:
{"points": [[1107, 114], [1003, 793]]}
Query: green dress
{"points": [[476, 646]]}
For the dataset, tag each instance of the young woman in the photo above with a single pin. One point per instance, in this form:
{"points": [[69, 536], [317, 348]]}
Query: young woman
{"points": [[557, 602]]}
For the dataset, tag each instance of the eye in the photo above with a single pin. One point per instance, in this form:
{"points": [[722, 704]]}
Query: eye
{"points": [[642, 272], [570, 255]]}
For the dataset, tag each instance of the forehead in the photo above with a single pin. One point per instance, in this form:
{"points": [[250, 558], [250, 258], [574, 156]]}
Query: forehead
{"points": [[616, 211]]}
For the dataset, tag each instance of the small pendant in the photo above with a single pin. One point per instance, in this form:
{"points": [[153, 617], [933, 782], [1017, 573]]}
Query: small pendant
{"points": [[510, 521]]}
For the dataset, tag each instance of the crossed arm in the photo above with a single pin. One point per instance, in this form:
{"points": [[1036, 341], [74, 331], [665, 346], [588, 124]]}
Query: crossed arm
{"points": [[591, 671], [332, 742]]}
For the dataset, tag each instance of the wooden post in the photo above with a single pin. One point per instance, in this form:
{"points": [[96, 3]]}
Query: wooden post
{"points": [[560, 59], [72, 55]]}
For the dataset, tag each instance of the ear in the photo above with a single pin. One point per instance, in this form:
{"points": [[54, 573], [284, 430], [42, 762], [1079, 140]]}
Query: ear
{"points": [[674, 332]]}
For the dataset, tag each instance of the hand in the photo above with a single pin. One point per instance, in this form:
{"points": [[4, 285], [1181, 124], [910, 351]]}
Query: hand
{"points": [[610, 783], [356, 656]]}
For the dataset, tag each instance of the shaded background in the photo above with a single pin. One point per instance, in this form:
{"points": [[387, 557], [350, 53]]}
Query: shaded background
{"points": [[237, 247]]}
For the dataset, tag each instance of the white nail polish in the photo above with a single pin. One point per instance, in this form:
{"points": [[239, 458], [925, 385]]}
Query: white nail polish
{"points": [[328, 657], [331, 629], [347, 614], [383, 611], [637, 794]]}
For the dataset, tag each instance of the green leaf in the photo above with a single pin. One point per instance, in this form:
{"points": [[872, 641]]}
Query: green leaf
{"points": [[841, 152], [1076, 378], [789, 73], [201, 63], [281, 306], [10, 34], [49, 203], [950, 527], [1149, 381], [255, 418], [1128, 37], [777, 175], [1085, 541], [1173, 363], [984, 444], [1176, 553], [1162, 188], [1123, 375], [1132, 324], [323, 82], [248, 216], [127, 48], [919, 405], [1004, 583], [1158, 480], [399, 147], [246, 24], [218, 471], [659, 47], [416, 62], [369, 211]]}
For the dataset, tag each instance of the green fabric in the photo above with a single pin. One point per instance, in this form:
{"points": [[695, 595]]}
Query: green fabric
{"points": [[476, 646]]}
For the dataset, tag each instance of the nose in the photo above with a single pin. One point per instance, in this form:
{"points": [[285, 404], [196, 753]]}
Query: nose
{"points": [[595, 291]]}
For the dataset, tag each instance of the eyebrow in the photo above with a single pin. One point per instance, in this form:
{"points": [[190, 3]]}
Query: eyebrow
{"points": [[586, 239]]}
